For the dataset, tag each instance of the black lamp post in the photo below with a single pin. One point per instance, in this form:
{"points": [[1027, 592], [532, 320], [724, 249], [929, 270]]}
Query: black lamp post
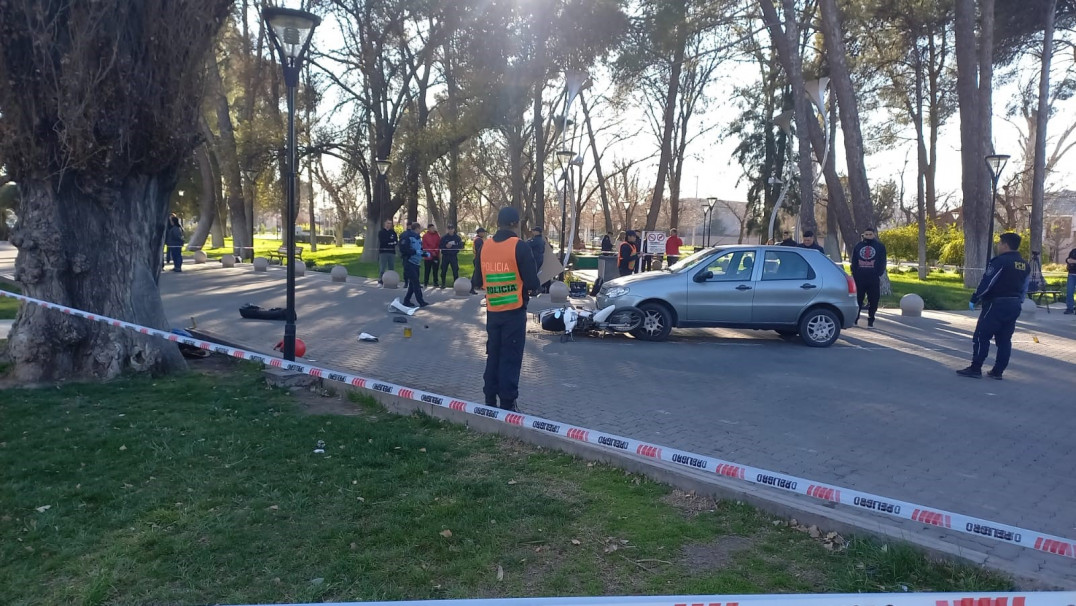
{"points": [[290, 32], [710, 203], [995, 163], [383, 165]]}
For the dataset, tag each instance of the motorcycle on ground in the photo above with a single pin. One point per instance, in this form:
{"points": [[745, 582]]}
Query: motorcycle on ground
{"points": [[570, 320]]}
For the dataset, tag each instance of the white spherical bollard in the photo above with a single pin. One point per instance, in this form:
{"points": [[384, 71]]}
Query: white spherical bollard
{"points": [[912, 305], [558, 292], [300, 267], [339, 273], [390, 279], [200, 257], [227, 261], [462, 287], [657, 264], [261, 264]]}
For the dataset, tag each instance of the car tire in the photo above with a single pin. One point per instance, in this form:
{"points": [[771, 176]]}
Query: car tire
{"points": [[819, 327], [657, 323]]}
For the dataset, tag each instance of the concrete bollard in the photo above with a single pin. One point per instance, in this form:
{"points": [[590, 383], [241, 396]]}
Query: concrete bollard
{"points": [[462, 287], [390, 279], [227, 261], [300, 267], [200, 257], [558, 292], [339, 273], [912, 305], [261, 264], [1028, 308]]}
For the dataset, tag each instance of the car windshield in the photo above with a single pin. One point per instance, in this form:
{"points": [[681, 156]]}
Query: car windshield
{"points": [[691, 261]]}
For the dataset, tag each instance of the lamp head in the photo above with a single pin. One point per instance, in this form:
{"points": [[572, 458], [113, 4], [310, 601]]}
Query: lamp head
{"points": [[383, 166], [996, 163], [565, 156], [290, 32]]}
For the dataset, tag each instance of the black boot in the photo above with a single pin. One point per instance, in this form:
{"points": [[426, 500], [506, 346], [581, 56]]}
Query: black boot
{"points": [[510, 406], [972, 372]]}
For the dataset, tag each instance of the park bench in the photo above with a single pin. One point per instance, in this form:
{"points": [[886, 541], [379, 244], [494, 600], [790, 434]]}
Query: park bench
{"points": [[283, 252], [1051, 296]]}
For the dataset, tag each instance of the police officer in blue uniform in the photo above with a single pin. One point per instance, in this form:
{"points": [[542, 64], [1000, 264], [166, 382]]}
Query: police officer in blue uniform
{"points": [[1002, 291]]}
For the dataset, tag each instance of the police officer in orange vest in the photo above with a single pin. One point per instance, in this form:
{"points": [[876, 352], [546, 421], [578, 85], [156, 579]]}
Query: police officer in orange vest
{"points": [[505, 265], [627, 254]]}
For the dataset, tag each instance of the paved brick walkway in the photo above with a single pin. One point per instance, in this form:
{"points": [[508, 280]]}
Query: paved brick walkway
{"points": [[880, 411]]}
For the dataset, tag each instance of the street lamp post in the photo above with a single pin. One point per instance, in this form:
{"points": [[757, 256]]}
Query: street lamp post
{"points": [[290, 32], [710, 203], [564, 157], [995, 163]]}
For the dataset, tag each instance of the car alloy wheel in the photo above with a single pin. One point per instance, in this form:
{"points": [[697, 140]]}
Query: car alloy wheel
{"points": [[819, 328], [656, 322]]}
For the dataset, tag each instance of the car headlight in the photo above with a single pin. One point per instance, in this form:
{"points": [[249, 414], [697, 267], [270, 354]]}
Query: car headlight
{"points": [[616, 291]]}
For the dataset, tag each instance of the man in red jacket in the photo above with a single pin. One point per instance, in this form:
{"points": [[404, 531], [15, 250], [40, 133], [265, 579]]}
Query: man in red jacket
{"points": [[431, 244], [672, 246]]}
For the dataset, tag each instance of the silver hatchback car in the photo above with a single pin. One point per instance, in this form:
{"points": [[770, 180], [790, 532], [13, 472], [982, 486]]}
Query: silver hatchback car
{"points": [[790, 290]]}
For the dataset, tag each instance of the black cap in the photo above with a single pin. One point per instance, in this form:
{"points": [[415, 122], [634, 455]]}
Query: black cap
{"points": [[507, 217], [480, 230], [537, 229], [630, 232]]}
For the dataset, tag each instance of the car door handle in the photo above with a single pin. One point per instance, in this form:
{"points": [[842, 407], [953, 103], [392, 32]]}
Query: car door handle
{"points": [[807, 286], [743, 287]]}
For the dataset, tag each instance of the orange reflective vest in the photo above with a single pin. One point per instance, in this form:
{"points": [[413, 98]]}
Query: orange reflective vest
{"points": [[500, 275], [620, 255]]}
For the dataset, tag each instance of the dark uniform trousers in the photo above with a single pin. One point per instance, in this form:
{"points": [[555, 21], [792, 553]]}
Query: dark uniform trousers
{"points": [[413, 286], [506, 332], [431, 265], [998, 321], [867, 286], [452, 261]]}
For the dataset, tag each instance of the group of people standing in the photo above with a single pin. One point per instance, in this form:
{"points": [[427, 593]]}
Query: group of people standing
{"points": [[630, 251]]}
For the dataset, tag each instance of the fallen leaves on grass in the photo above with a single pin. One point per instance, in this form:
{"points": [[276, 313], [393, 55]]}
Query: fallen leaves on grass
{"points": [[43, 508], [500, 573], [446, 533]]}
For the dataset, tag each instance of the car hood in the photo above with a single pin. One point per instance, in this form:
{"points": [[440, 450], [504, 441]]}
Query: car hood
{"points": [[637, 278]]}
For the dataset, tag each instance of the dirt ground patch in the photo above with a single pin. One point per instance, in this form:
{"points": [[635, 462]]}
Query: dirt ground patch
{"points": [[716, 554]]}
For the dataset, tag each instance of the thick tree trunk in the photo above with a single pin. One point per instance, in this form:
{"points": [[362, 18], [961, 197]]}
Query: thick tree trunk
{"points": [[229, 162], [668, 124], [973, 91], [98, 255], [207, 206], [848, 108], [922, 167], [1038, 179]]}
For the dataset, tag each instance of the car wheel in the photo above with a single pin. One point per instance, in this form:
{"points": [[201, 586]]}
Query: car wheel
{"points": [[657, 323], [819, 327]]}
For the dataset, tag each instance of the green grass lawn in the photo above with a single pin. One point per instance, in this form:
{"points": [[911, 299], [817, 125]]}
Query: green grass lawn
{"points": [[204, 488], [347, 255], [8, 306]]}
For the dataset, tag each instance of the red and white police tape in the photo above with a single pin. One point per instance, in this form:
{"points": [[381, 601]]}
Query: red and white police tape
{"points": [[1059, 598], [1003, 533]]}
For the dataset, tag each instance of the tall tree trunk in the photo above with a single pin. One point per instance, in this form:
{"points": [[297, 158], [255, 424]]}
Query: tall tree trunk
{"points": [[668, 124], [848, 108], [602, 190], [229, 162], [922, 168], [973, 91], [786, 39], [1038, 179], [100, 256], [207, 206]]}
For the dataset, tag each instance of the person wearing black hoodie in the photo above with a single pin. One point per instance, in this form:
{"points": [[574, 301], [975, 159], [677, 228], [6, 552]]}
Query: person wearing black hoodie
{"points": [[451, 245], [506, 267], [387, 241], [868, 266]]}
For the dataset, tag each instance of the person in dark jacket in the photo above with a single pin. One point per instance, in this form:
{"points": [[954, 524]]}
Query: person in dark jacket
{"points": [[506, 267], [538, 245], [451, 245], [1002, 291], [387, 241], [788, 241], [479, 240], [868, 266], [810, 242], [413, 255], [607, 243], [628, 255], [173, 239]]}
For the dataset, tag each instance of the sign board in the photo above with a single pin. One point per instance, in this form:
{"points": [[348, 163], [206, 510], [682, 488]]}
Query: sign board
{"points": [[655, 242]]}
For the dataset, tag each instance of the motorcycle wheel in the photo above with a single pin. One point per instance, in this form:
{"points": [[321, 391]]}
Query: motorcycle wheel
{"points": [[626, 319]]}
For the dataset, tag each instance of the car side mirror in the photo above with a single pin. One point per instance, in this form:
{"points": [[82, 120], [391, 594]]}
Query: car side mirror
{"points": [[704, 276]]}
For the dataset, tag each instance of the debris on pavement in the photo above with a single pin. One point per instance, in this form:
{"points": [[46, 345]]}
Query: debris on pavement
{"points": [[365, 336]]}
